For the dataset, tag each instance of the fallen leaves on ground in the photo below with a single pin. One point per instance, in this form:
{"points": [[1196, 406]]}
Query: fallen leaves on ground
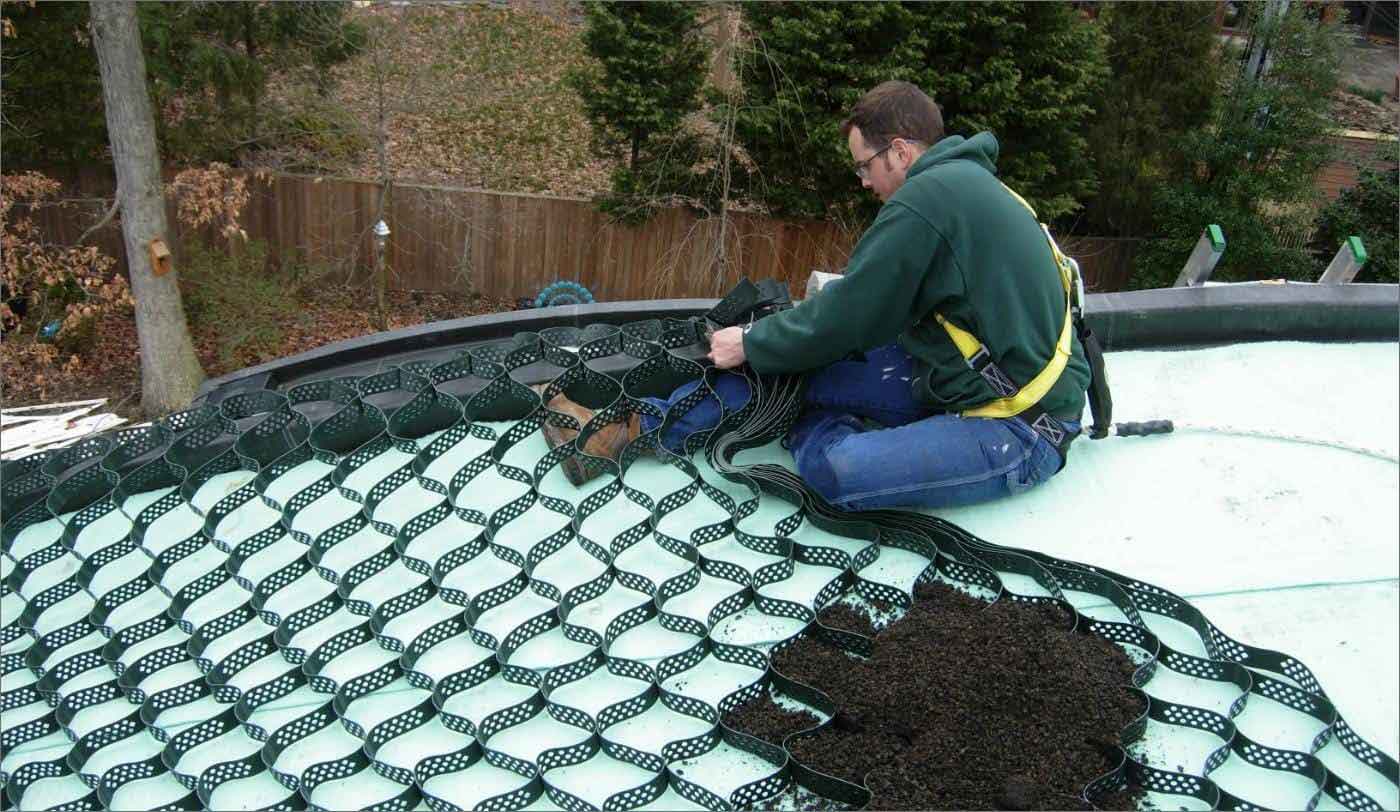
{"points": [[1353, 112], [36, 372], [473, 95]]}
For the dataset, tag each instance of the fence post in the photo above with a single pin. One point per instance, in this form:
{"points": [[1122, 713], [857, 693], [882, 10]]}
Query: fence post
{"points": [[1199, 265], [1345, 265]]}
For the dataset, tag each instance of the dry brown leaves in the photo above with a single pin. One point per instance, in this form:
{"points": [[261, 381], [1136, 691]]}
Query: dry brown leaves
{"points": [[36, 372], [1353, 112], [83, 281], [210, 196], [474, 96]]}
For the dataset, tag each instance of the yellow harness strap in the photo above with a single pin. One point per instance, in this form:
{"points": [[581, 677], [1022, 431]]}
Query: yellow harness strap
{"points": [[1030, 394]]}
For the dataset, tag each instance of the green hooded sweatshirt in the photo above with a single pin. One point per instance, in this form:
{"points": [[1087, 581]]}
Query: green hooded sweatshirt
{"points": [[951, 240]]}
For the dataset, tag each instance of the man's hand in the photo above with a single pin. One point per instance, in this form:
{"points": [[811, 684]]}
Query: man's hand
{"points": [[727, 347]]}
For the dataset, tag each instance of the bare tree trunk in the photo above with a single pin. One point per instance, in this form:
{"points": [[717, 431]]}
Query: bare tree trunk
{"points": [[250, 43], [726, 158], [170, 371], [386, 178], [726, 51]]}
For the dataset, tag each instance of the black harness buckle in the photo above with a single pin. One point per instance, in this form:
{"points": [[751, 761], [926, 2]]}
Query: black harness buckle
{"points": [[1051, 428]]}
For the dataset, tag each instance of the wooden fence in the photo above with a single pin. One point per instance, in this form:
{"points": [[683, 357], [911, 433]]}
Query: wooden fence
{"points": [[512, 245], [1356, 150]]}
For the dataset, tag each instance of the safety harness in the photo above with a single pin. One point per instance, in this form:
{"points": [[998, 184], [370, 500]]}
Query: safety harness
{"points": [[1023, 402]]}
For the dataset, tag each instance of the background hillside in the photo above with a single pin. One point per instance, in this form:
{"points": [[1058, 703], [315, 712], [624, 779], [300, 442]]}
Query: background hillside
{"points": [[475, 97]]}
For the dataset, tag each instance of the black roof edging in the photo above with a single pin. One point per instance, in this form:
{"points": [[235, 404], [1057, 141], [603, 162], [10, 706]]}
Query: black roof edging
{"points": [[443, 334], [1162, 318], [1226, 314]]}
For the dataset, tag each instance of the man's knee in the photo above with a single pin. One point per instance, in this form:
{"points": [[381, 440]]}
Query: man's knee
{"points": [[819, 448]]}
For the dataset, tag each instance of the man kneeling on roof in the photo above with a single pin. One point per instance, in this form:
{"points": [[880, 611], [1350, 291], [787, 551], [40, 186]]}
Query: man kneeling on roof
{"points": [[941, 368]]}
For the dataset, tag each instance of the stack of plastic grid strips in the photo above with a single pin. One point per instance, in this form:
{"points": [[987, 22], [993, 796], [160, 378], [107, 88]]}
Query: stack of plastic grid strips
{"points": [[381, 592]]}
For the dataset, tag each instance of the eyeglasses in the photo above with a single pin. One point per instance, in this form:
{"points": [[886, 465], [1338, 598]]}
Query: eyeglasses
{"points": [[863, 167]]}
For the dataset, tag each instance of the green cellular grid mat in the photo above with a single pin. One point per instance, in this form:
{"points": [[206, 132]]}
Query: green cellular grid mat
{"points": [[381, 592]]}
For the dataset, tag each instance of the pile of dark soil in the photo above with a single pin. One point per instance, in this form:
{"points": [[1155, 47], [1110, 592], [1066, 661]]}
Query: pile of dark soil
{"points": [[965, 706]]}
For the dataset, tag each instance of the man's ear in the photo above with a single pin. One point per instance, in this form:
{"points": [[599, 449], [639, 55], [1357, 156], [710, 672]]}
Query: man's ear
{"points": [[906, 153]]}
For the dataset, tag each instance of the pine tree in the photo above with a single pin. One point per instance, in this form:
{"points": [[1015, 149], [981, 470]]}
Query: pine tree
{"points": [[1028, 72], [1164, 76], [649, 69], [215, 57], [50, 57]]}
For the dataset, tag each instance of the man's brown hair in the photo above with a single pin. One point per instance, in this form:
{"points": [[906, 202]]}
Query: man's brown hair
{"points": [[895, 110]]}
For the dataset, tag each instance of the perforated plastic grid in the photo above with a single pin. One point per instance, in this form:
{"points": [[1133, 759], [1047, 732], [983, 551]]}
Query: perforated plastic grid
{"points": [[381, 592]]}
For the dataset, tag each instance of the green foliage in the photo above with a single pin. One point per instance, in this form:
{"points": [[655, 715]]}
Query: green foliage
{"points": [[54, 299], [315, 134], [1370, 94], [1028, 72], [207, 66], [78, 339], [1254, 162], [1367, 210], [216, 58], [1164, 76], [51, 89], [648, 74], [234, 298]]}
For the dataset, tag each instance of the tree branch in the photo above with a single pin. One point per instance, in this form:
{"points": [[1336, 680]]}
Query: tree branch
{"points": [[106, 218]]}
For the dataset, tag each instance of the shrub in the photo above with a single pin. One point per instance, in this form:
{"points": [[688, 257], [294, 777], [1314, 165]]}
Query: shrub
{"points": [[1370, 94], [73, 283], [316, 135], [77, 340], [1367, 210], [232, 300]]}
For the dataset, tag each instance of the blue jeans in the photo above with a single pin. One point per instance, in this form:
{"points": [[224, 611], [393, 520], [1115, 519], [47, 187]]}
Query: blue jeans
{"points": [[912, 457]]}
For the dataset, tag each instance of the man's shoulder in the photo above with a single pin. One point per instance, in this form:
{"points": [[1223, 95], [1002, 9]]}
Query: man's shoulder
{"points": [[932, 191], [907, 212], [955, 170]]}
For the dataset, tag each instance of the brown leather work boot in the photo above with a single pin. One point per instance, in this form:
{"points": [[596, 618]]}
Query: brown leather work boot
{"points": [[606, 442]]}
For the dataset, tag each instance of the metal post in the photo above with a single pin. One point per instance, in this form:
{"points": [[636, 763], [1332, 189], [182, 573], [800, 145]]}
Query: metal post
{"points": [[1259, 56], [1199, 265], [1345, 265], [381, 236]]}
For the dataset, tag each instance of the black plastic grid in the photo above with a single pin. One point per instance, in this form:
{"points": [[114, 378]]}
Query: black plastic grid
{"points": [[268, 588]]}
